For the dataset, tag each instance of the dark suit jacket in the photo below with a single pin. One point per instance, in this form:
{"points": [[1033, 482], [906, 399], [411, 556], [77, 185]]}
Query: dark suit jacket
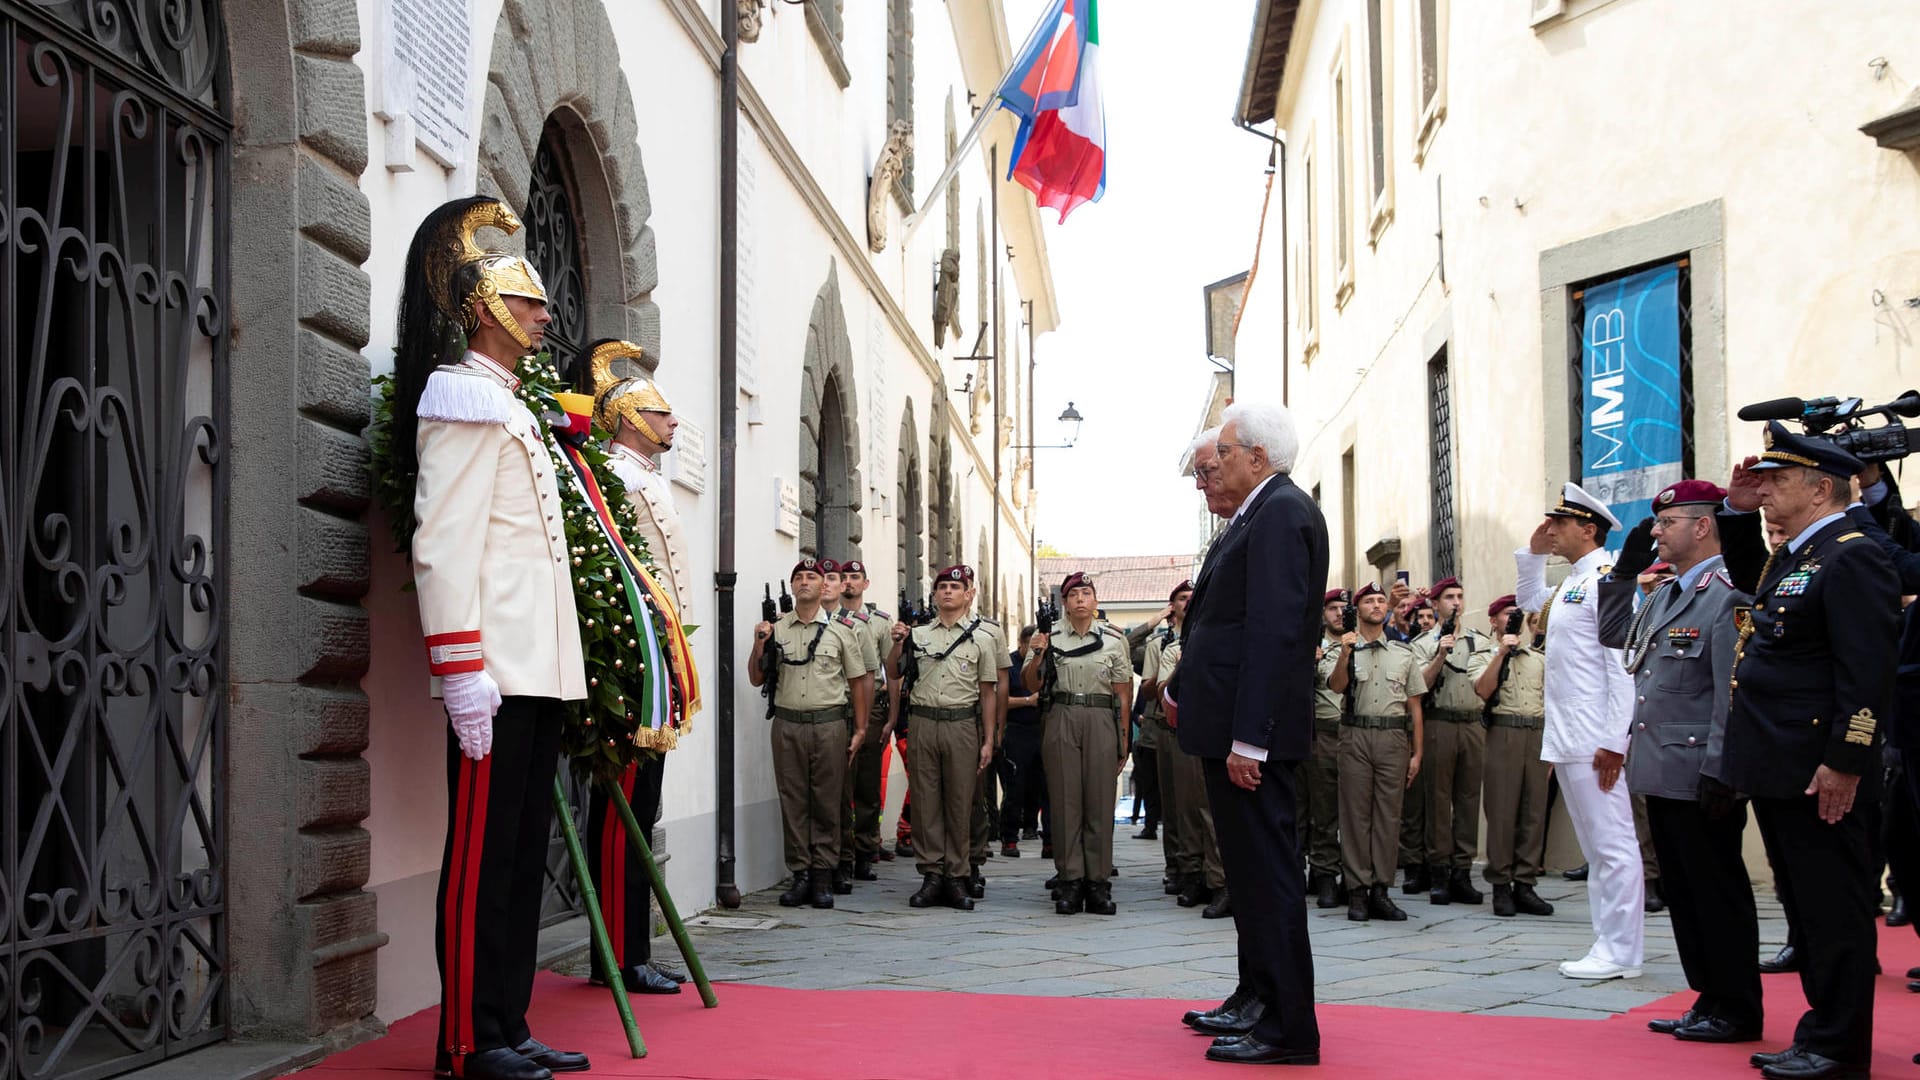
{"points": [[1814, 681], [1246, 661]]}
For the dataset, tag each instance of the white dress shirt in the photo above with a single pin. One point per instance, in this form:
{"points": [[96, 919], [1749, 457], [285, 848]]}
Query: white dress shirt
{"points": [[1589, 695]]}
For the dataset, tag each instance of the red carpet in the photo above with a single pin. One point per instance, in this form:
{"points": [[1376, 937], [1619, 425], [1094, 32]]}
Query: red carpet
{"points": [[867, 1034]]}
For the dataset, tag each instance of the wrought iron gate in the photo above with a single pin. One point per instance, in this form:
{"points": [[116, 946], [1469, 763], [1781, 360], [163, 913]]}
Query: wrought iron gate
{"points": [[1440, 439], [553, 246], [113, 284]]}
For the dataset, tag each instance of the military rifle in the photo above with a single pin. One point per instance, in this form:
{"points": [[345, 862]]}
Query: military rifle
{"points": [[1516, 619], [770, 651]]}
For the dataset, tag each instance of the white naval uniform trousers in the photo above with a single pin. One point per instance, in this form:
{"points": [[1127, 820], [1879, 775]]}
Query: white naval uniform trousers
{"points": [[1589, 700]]}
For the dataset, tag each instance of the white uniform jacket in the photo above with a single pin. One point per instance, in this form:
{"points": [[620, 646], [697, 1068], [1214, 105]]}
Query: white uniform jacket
{"points": [[490, 558], [1589, 693], [651, 496]]}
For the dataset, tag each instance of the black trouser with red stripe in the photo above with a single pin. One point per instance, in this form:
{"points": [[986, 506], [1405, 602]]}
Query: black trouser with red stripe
{"points": [[498, 812], [619, 874]]}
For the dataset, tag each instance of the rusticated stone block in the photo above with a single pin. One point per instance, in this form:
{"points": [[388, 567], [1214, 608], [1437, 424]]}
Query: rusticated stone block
{"points": [[331, 860], [331, 27], [329, 720], [333, 470], [334, 296], [334, 382], [344, 990], [643, 326], [333, 791], [502, 155], [334, 212], [333, 110], [333, 559], [338, 925], [333, 639]]}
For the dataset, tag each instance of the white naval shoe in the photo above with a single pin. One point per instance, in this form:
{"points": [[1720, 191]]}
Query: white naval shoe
{"points": [[1594, 968]]}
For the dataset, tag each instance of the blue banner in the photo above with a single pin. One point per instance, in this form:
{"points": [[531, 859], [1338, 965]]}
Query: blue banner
{"points": [[1630, 419]]}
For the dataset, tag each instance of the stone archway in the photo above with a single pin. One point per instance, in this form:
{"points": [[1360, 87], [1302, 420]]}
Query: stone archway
{"points": [[557, 61], [912, 544], [830, 493]]}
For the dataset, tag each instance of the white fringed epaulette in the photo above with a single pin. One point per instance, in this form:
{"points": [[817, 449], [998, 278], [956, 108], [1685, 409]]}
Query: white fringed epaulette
{"points": [[459, 396]]}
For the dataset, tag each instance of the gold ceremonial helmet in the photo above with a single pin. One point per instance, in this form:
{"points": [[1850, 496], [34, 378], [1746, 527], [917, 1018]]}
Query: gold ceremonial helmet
{"points": [[461, 272], [615, 398]]}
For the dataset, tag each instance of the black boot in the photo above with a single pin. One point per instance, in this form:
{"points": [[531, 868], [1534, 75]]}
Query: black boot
{"points": [[977, 884], [863, 869], [1357, 905], [1195, 893], [823, 888], [1503, 901], [954, 894], [932, 890], [1418, 880], [1897, 915], [500, 1063], [1174, 884], [799, 892], [1381, 906], [1071, 898], [1437, 892], [1329, 893], [1222, 905], [843, 879], [1655, 902], [1460, 888], [1099, 899], [1528, 902], [1009, 849]]}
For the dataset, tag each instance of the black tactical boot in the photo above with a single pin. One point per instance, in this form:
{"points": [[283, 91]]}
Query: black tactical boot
{"points": [[799, 892], [863, 869], [1503, 900], [977, 884], [1174, 883], [1460, 888], [1654, 903], [1417, 880], [1071, 898], [1439, 894], [1099, 899], [932, 891], [1221, 907], [1528, 902], [1357, 905], [1195, 892], [822, 888], [954, 894], [1381, 906], [843, 879]]}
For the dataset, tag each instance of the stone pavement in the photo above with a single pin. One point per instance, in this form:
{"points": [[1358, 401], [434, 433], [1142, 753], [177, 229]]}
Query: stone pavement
{"points": [[1454, 958]]}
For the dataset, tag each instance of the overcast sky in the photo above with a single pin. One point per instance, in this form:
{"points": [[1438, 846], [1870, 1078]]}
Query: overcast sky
{"points": [[1182, 206]]}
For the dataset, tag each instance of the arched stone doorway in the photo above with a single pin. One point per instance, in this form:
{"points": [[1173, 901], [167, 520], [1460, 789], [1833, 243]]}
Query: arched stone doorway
{"points": [[830, 494], [910, 496]]}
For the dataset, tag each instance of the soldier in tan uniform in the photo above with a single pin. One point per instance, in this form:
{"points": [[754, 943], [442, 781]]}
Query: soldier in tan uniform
{"points": [[833, 598], [948, 673], [1513, 677], [861, 836], [1322, 815], [1086, 681], [1380, 741], [822, 677], [1193, 853], [496, 599], [1456, 745]]}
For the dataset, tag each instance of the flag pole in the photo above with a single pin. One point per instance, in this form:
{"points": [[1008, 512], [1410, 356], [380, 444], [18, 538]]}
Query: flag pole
{"points": [[965, 145]]}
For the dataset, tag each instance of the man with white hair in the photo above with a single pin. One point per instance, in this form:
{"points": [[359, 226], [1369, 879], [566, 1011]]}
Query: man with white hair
{"points": [[1243, 703]]}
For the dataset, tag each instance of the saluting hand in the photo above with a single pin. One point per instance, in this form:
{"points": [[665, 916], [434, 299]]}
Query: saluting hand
{"points": [[1538, 543], [1836, 791], [1743, 487]]}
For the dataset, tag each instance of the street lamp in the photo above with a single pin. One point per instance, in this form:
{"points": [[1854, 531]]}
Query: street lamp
{"points": [[1070, 415]]}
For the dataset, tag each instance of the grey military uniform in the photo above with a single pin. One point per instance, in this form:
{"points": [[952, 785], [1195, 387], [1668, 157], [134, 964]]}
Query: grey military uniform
{"points": [[1680, 652]]}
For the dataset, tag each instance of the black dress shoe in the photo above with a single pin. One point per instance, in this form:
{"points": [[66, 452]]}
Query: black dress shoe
{"points": [[1578, 873], [1147, 833], [1460, 888], [1713, 1029], [843, 879], [1381, 906], [933, 890], [1669, 1026], [1503, 901], [822, 888], [1913, 986], [1807, 1065], [555, 1060], [863, 870], [1897, 915], [799, 892], [1221, 907], [1234, 1000], [1913, 973], [954, 895], [1768, 1057], [1528, 902], [1238, 1021], [1787, 959], [1073, 898], [1251, 1051], [497, 1064], [1009, 850], [1100, 898], [639, 979]]}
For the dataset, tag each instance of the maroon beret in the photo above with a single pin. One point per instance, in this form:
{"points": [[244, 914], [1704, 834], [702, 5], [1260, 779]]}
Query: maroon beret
{"points": [[1371, 588], [828, 566], [1419, 603], [1504, 602], [808, 565], [1689, 493], [1443, 585], [1334, 596], [1075, 580], [1185, 586], [854, 566], [959, 572]]}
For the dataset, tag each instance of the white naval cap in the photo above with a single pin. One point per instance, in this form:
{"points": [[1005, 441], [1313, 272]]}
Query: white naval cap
{"points": [[1578, 502]]}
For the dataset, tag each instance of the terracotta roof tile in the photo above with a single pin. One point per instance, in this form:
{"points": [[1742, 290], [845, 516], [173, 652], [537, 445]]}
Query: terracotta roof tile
{"points": [[1125, 579]]}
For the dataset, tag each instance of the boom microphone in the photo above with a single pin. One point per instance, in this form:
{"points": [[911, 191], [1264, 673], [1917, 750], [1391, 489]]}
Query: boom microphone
{"points": [[1786, 408]]}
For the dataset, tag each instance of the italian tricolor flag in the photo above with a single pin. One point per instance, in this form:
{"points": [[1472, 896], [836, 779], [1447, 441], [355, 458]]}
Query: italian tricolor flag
{"points": [[1054, 86]]}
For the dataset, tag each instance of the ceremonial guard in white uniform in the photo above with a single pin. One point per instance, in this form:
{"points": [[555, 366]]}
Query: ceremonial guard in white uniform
{"points": [[497, 606], [627, 405], [1589, 703]]}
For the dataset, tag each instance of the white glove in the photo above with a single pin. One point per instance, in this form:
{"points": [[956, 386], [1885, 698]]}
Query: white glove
{"points": [[471, 697]]}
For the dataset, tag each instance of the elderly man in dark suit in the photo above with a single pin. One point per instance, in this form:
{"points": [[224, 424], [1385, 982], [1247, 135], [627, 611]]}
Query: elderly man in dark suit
{"points": [[1244, 697]]}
